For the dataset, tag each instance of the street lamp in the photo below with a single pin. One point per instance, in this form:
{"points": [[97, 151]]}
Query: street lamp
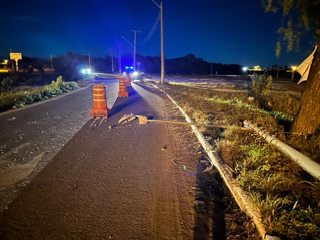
{"points": [[134, 46], [130, 45], [245, 69], [293, 69], [162, 40]]}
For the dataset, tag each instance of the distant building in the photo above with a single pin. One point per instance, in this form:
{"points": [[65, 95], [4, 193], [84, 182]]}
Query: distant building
{"points": [[256, 69], [4, 66]]}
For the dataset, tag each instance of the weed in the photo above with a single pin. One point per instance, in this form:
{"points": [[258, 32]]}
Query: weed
{"points": [[6, 84], [261, 84], [27, 95], [287, 197]]}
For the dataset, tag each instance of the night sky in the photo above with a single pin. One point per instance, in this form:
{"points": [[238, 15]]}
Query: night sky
{"points": [[225, 31]]}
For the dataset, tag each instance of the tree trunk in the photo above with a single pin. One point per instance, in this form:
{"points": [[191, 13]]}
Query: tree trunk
{"points": [[307, 120]]}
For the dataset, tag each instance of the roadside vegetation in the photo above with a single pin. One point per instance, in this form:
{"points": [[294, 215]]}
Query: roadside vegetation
{"points": [[287, 196], [17, 97]]}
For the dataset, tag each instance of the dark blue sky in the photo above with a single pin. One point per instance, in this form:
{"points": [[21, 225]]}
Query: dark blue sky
{"points": [[224, 31]]}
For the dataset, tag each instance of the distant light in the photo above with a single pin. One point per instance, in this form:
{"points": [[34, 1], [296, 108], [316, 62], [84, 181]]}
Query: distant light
{"points": [[293, 68], [85, 71], [129, 67], [256, 69], [244, 69], [135, 73]]}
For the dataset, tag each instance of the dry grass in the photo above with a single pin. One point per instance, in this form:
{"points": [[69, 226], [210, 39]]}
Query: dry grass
{"points": [[282, 190]]}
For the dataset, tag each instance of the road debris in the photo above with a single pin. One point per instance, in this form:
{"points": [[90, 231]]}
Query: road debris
{"points": [[127, 118]]}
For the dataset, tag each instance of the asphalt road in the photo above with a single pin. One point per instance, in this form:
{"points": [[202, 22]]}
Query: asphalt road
{"points": [[132, 181], [31, 136], [127, 182]]}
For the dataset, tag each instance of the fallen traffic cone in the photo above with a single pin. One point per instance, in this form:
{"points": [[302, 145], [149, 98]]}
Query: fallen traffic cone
{"points": [[100, 109], [123, 92]]}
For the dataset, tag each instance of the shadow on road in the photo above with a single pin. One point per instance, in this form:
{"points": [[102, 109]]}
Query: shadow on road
{"points": [[210, 206], [123, 102]]}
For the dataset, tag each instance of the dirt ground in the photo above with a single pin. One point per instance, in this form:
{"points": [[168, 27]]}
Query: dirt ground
{"points": [[290, 85]]}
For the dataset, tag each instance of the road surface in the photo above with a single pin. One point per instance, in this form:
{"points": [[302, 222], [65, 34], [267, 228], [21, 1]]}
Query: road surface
{"points": [[128, 182], [30, 137], [106, 183]]}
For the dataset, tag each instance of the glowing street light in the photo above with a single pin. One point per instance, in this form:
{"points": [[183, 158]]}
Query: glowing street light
{"points": [[244, 69]]}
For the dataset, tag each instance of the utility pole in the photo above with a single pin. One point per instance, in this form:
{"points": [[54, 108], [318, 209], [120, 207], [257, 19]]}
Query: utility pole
{"points": [[12, 67], [89, 61], [119, 59], [51, 61], [112, 68], [162, 41], [135, 46]]}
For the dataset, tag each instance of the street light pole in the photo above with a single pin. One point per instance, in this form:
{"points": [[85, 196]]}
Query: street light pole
{"points": [[127, 42], [89, 61], [51, 61], [112, 68], [293, 69], [162, 41], [134, 47], [119, 58]]}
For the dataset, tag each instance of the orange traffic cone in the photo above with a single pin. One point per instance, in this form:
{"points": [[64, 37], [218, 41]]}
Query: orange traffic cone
{"points": [[128, 80], [100, 109], [122, 88]]}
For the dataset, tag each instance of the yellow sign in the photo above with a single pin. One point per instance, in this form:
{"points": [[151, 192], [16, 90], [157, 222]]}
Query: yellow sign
{"points": [[15, 56]]}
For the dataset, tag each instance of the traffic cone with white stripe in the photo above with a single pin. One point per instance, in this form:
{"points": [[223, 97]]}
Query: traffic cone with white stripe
{"points": [[123, 92], [100, 109]]}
